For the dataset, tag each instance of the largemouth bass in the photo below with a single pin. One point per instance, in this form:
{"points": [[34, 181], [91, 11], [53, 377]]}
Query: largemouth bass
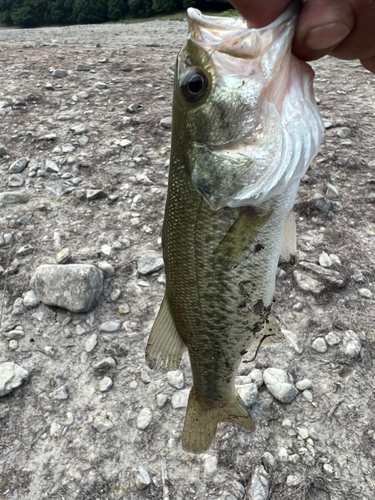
{"points": [[245, 129]]}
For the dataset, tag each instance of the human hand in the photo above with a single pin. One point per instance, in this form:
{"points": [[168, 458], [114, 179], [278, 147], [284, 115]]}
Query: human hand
{"points": [[341, 28]]}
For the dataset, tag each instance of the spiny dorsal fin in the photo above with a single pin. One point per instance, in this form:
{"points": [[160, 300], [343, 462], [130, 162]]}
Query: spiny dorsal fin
{"points": [[165, 346]]}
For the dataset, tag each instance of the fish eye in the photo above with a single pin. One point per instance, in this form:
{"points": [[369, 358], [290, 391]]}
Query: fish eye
{"points": [[194, 85]]}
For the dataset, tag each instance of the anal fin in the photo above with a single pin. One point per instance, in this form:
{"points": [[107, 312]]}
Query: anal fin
{"points": [[202, 417], [165, 346]]}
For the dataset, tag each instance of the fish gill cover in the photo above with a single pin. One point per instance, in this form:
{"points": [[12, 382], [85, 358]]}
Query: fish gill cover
{"points": [[278, 129]]}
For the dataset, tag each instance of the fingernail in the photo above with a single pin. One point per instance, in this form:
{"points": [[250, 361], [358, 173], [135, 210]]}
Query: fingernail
{"points": [[326, 36]]}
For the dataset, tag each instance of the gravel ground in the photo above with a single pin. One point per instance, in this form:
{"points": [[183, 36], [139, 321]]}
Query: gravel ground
{"points": [[90, 420]]}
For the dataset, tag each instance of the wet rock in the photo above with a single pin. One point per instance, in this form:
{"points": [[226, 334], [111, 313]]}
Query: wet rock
{"points": [[149, 264], [75, 287], [19, 166], [11, 377], [30, 300], [319, 345], [14, 198], [259, 486], [144, 419], [142, 478], [280, 384]]}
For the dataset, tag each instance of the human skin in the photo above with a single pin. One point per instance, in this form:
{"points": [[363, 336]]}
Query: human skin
{"points": [[341, 28]]}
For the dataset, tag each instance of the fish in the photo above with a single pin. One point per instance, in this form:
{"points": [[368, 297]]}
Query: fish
{"points": [[245, 128]]}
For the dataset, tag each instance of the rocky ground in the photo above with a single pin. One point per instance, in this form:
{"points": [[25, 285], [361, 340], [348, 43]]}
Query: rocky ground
{"points": [[84, 152]]}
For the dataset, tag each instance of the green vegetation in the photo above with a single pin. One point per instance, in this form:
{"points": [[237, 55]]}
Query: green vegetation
{"points": [[29, 13]]}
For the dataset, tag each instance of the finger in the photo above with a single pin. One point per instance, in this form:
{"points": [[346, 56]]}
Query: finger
{"points": [[369, 64], [322, 25], [259, 14]]}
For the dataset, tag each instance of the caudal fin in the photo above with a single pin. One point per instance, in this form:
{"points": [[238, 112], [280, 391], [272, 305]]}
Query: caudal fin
{"points": [[203, 415]]}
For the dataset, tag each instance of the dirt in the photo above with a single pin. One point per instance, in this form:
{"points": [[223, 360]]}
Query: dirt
{"points": [[50, 448]]}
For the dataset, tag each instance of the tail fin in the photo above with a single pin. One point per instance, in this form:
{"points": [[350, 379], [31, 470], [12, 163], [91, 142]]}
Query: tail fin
{"points": [[203, 415]]}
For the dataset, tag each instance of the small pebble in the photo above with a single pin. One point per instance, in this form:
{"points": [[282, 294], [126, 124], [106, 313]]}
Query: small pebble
{"points": [[63, 256], [109, 327], [176, 379], [106, 250], [144, 419], [91, 342], [105, 384], [161, 400], [210, 465], [307, 395], [256, 376], [280, 384], [319, 345], [282, 456], [180, 399], [60, 394], [328, 469], [352, 344], [142, 478], [303, 432], [313, 433], [294, 479], [145, 377], [366, 293], [248, 393], [269, 461], [30, 300], [325, 260], [13, 345], [106, 269], [332, 339], [304, 384], [133, 384], [124, 309]]}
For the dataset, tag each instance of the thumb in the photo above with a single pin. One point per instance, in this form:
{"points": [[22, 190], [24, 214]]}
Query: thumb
{"points": [[260, 13]]}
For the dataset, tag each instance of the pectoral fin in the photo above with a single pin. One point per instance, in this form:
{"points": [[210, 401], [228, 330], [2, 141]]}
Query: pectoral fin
{"points": [[240, 236], [202, 417], [165, 346], [289, 245]]}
